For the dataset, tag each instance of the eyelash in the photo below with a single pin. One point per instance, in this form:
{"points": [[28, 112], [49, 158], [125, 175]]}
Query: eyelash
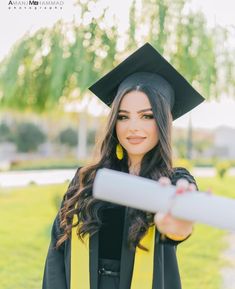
{"points": [[146, 116]]}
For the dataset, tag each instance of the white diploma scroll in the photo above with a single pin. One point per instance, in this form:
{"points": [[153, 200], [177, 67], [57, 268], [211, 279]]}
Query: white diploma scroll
{"points": [[148, 195]]}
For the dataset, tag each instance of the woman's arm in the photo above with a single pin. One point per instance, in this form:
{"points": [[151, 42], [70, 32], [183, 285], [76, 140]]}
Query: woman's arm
{"points": [[174, 230]]}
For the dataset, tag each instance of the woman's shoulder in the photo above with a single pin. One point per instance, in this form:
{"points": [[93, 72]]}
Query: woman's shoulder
{"points": [[73, 186], [69, 193], [75, 179], [182, 173]]}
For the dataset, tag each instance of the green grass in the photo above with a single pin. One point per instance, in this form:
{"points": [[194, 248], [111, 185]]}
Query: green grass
{"points": [[26, 215], [42, 164], [200, 260], [200, 256]]}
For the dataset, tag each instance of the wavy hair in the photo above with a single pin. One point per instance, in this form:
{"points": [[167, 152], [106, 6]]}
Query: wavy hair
{"points": [[157, 162]]}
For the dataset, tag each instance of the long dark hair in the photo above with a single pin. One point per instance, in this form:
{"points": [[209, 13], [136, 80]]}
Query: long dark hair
{"points": [[157, 162]]}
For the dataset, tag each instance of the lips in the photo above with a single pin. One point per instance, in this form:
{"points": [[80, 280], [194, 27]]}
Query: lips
{"points": [[135, 139]]}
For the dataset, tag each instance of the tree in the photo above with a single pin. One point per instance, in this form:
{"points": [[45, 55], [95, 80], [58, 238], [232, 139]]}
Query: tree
{"points": [[183, 37], [5, 132], [68, 137], [54, 66], [28, 137]]}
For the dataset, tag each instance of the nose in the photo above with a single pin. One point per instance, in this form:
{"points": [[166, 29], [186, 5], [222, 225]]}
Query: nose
{"points": [[134, 125]]}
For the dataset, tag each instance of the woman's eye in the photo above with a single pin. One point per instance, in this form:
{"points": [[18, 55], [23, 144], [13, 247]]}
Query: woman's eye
{"points": [[147, 116], [121, 117]]}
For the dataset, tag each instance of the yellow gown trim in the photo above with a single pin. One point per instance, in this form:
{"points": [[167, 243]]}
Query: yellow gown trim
{"points": [[80, 268], [142, 276]]}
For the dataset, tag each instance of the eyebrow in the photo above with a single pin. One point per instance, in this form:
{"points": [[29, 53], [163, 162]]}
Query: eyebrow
{"points": [[142, 110]]}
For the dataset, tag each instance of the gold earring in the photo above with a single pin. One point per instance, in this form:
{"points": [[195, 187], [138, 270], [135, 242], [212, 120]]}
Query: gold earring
{"points": [[119, 151]]}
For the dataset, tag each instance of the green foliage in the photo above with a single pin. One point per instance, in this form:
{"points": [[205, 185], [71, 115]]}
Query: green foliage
{"points": [[28, 137], [185, 163], [68, 137], [222, 168], [185, 39], [131, 43], [5, 132], [91, 137], [54, 65], [201, 145], [181, 147], [47, 164], [204, 162]]}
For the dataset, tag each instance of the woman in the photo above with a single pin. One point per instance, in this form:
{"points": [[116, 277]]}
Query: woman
{"points": [[145, 92]]}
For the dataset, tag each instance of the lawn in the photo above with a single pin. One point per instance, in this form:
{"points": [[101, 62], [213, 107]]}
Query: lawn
{"points": [[26, 215], [200, 256]]}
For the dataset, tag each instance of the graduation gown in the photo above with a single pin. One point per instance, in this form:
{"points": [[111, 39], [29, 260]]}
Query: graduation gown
{"points": [[166, 273]]}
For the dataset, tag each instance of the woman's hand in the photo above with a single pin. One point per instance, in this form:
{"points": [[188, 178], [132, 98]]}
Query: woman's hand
{"points": [[169, 225]]}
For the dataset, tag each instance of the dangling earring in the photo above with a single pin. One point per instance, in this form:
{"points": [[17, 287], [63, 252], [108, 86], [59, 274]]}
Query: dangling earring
{"points": [[119, 151]]}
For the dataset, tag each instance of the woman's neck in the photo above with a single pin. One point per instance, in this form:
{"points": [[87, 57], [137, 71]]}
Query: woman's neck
{"points": [[134, 166]]}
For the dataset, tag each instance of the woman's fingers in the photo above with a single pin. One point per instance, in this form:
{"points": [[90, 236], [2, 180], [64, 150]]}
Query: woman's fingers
{"points": [[192, 188], [209, 191], [183, 185], [164, 181], [167, 224], [160, 219]]}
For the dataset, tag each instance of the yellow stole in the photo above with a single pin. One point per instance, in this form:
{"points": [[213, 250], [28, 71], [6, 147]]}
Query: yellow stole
{"points": [[142, 276]]}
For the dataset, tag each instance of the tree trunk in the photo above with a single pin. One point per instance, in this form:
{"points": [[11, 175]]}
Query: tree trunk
{"points": [[82, 136], [189, 138]]}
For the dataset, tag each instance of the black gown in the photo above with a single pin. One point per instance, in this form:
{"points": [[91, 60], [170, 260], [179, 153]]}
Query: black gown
{"points": [[111, 259]]}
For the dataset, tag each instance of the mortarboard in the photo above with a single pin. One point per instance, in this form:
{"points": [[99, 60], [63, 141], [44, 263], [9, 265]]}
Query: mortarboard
{"points": [[147, 66]]}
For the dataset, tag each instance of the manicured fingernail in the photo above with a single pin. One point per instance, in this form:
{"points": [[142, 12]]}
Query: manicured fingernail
{"points": [[182, 183]]}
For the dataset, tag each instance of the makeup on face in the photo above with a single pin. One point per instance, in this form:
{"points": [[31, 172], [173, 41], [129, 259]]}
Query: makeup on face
{"points": [[136, 127]]}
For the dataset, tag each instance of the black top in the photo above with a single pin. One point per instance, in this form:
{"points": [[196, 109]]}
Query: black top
{"points": [[111, 232]]}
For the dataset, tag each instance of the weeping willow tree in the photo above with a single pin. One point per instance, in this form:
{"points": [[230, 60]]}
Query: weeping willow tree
{"points": [[183, 37], [54, 66], [45, 67]]}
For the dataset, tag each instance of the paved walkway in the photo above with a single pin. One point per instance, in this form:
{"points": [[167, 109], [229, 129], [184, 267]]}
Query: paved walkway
{"points": [[40, 177], [23, 178]]}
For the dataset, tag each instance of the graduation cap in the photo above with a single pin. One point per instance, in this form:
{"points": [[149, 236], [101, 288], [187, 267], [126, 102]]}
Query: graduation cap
{"points": [[147, 67]]}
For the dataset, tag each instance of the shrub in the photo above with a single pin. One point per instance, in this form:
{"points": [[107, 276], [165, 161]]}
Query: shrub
{"points": [[5, 133], [91, 137], [28, 137], [68, 137], [183, 163], [222, 168]]}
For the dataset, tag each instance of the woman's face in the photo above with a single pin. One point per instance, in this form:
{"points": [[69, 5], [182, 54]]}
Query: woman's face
{"points": [[136, 127]]}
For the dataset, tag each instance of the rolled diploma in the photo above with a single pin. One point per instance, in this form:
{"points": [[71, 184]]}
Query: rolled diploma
{"points": [[148, 195]]}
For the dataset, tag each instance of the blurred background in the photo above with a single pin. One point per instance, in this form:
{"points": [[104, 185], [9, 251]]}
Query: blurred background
{"points": [[49, 122]]}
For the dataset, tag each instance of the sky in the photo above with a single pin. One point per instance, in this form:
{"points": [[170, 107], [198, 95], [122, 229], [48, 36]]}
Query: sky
{"points": [[16, 22]]}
